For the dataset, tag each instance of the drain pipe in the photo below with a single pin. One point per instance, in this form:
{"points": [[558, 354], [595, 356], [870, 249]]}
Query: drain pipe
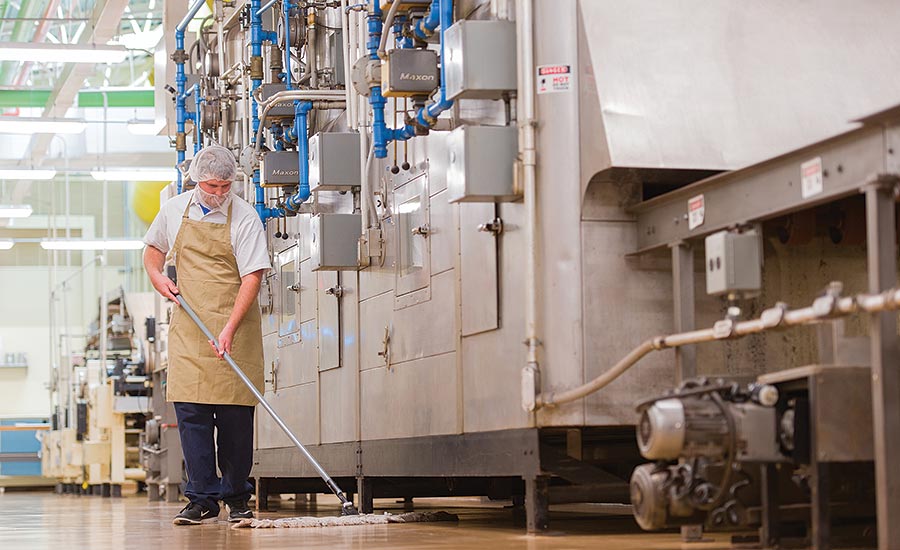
{"points": [[531, 381], [181, 114]]}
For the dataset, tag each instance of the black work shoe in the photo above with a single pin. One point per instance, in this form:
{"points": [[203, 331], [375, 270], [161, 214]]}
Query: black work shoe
{"points": [[238, 511], [194, 514]]}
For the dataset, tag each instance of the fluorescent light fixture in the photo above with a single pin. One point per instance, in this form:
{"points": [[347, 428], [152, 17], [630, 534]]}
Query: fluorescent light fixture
{"points": [[22, 174], [61, 53], [6, 244], [134, 174], [92, 244], [15, 210], [145, 127], [23, 125]]}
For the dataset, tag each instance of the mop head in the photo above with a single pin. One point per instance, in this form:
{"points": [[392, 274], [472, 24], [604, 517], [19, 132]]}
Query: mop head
{"points": [[361, 519]]}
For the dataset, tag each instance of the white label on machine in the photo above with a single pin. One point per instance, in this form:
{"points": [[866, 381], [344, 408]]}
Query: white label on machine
{"points": [[554, 78], [696, 211], [811, 178]]}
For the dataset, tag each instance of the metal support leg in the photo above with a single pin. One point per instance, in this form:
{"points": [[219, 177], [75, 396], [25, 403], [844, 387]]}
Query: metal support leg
{"points": [[683, 294], [172, 492], [885, 356], [769, 533], [537, 504], [365, 487], [820, 514], [262, 495]]}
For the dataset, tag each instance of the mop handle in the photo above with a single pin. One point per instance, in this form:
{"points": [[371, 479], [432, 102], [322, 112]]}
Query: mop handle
{"points": [[345, 504]]}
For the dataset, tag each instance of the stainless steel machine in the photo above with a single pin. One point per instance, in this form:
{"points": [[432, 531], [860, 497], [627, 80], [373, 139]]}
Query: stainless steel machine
{"points": [[442, 181]]}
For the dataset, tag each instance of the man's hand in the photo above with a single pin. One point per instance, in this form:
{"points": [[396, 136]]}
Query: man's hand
{"points": [[165, 286], [226, 337]]}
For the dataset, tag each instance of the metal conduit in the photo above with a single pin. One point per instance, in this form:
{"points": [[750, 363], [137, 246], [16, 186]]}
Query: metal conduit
{"points": [[824, 308]]}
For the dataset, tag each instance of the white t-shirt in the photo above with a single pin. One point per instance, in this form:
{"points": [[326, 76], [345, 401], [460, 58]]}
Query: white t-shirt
{"points": [[248, 237]]}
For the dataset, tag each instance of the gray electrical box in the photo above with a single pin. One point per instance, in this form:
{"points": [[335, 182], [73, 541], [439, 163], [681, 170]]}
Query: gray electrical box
{"points": [[733, 263], [279, 169], [334, 161], [481, 164], [481, 59], [409, 73], [334, 242], [190, 102], [282, 109]]}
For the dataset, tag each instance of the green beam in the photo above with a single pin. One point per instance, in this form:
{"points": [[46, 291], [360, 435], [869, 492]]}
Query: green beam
{"points": [[116, 98], [12, 99]]}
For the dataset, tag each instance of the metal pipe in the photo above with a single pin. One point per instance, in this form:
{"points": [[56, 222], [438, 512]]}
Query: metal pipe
{"points": [[286, 13], [265, 8], [348, 86], [347, 507], [388, 22], [528, 161], [312, 63], [192, 11], [333, 99], [825, 308]]}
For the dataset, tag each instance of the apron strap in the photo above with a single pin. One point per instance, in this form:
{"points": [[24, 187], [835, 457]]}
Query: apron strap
{"points": [[230, 206], [187, 208]]}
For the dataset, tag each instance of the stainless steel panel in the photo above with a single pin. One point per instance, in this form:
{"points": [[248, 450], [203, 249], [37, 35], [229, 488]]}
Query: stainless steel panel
{"points": [[443, 234], [308, 290], [779, 77], [481, 59], [376, 316], [267, 304], [297, 406], [330, 168], [270, 360], [287, 279], [329, 321], [481, 161], [416, 398], [428, 328], [297, 362], [478, 269], [340, 387], [411, 221]]}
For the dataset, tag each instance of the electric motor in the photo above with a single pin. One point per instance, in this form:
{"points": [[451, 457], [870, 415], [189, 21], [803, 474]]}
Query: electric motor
{"points": [[682, 427]]}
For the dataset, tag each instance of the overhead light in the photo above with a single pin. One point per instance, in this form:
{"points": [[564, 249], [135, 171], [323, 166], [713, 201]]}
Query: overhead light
{"points": [[15, 211], [134, 174], [24, 174], [145, 127], [92, 244], [6, 245], [61, 53], [23, 125]]}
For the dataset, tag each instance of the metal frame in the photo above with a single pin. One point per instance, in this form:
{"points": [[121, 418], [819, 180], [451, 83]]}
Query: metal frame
{"points": [[859, 161], [531, 465]]}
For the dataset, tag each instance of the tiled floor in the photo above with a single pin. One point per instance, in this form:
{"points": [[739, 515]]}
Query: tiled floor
{"points": [[40, 521]]}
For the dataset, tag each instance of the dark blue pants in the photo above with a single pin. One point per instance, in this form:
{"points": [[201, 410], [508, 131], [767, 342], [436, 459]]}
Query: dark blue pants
{"points": [[234, 437]]}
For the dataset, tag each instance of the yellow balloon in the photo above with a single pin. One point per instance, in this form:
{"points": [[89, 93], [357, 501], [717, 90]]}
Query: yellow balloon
{"points": [[145, 200]]}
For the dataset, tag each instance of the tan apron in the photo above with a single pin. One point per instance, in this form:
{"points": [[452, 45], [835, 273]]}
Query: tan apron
{"points": [[209, 280]]}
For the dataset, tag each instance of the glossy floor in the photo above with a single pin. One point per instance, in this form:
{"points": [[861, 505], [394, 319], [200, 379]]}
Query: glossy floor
{"points": [[66, 522]]}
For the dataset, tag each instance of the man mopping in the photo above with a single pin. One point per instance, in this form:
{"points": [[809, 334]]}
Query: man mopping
{"points": [[219, 250]]}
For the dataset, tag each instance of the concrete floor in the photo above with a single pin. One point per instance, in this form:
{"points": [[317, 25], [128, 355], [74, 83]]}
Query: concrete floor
{"points": [[37, 521]]}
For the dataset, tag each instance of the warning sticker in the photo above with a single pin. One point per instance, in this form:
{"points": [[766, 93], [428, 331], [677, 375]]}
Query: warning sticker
{"points": [[811, 178], [554, 78], [696, 211]]}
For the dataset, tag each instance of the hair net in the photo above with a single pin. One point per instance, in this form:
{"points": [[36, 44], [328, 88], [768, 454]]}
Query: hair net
{"points": [[213, 162]]}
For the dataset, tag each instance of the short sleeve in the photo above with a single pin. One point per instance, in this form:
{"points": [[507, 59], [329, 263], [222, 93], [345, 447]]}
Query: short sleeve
{"points": [[157, 236], [250, 249]]}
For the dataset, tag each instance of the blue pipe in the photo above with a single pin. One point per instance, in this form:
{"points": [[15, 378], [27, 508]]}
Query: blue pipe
{"points": [[257, 36], [400, 41], [301, 129], [181, 114], [441, 13], [425, 27]]}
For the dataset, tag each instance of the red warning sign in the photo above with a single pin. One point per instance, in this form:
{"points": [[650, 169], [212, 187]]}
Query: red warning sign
{"points": [[554, 78]]}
